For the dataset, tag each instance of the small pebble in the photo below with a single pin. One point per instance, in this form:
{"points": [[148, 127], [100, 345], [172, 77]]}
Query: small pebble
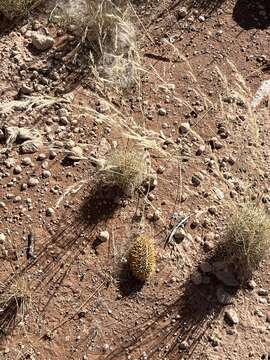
{"points": [[46, 174], [32, 182], [104, 236], [50, 212], [231, 317]]}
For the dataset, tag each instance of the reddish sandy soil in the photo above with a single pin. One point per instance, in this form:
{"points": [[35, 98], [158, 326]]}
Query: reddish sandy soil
{"points": [[82, 305]]}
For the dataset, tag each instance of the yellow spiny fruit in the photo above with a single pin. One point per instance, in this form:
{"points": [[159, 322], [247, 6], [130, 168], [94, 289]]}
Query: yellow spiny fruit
{"points": [[142, 258]]}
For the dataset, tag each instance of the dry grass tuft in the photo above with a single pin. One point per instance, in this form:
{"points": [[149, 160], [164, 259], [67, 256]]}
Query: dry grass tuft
{"points": [[247, 239], [106, 29], [142, 258], [125, 170], [14, 8], [14, 302]]}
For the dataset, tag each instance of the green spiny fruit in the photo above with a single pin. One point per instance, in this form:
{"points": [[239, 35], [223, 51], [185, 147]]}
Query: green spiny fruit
{"points": [[142, 258]]}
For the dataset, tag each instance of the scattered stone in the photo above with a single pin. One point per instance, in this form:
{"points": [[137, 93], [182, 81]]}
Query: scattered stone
{"points": [[214, 341], [150, 182], [183, 197], [52, 155], [104, 236], [50, 212], [46, 174], [32, 182], [63, 121], [262, 292], [184, 128], [194, 224], [24, 186], [25, 89], [251, 284], [162, 111], [160, 169], [231, 160], [219, 193], [200, 150], [183, 345], [182, 12], [17, 170], [42, 42], [144, 356], [208, 245], [29, 147], [2, 238], [223, 297], [17, 199], [156, 215], [104, 147], [26, 161], [227, 278], [197, 179], [258, 313], [231, 317], [179, 235], [41, 157], [212, 210], [215, 143]]}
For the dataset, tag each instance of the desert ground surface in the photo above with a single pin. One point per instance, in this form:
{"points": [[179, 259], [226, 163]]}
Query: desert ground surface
{"points": [[188, 95]]}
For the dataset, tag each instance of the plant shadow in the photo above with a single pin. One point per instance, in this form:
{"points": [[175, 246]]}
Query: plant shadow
{"points": [[129, 285], [252, 14], [55, 259], [178, 330], [205, 6]]}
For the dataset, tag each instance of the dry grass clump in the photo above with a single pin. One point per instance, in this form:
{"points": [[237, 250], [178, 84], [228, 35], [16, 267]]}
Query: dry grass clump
{"points": [[125, 170], [142, 258], [247, 239], [106, 28], [14, 302], [14, 8]]}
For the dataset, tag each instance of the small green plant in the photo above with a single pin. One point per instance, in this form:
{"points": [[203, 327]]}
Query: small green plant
{"points": [[125, 170], [247, 239], [142, 258]]}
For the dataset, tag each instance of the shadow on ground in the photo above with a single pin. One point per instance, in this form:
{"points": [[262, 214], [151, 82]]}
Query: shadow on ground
{"points": [[177, 331], [7, 26], [205, 6], [128, 285], [252, 14], [57, 256]]}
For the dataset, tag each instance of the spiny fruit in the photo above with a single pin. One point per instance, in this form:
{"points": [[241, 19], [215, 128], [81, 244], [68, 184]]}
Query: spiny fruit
{"points": [[142, 258]]}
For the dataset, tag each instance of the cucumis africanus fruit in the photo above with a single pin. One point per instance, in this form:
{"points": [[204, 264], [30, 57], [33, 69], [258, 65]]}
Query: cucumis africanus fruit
{"points": [[142, 258]]}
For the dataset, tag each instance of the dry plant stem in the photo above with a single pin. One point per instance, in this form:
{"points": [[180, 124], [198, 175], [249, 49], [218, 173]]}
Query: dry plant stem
{"points": [[176, 227]]}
